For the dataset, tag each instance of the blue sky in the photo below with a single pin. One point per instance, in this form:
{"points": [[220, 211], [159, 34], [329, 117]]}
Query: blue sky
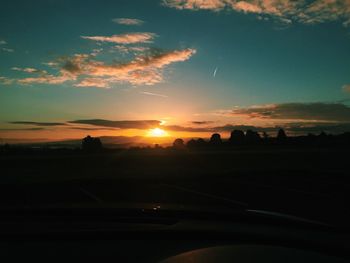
{"points": [[266, 54]]}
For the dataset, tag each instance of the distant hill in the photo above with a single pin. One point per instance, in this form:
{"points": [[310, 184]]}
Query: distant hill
{"points": [[22, 141], [107, 141]]}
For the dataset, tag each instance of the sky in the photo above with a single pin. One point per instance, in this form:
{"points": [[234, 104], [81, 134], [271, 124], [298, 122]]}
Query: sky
{"points": [[187, 67]]}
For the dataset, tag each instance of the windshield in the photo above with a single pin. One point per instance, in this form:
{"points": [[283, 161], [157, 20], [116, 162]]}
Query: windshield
{"points": [[201, 105]]}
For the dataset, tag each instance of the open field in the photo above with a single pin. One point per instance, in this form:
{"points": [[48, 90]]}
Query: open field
{"points": [[312, 183]]}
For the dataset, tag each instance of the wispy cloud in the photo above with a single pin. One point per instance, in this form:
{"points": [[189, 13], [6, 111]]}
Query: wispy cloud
{"points": [[128, 21], [128, 38], [69, 69], [6, 48], [9, 50], [128, 49], [29, 70], [196, 4], [326, 10], [94, 83], [6, 81], [96, 51], [145, 65], [50, 64], [287, 11], [47, 79], [154, 94], [144, 69]]}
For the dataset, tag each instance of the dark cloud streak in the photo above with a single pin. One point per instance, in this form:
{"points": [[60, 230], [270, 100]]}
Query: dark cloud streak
{"points": [[25, 129], [201, 122], [126, 124], [38, 123], [318, 111]]}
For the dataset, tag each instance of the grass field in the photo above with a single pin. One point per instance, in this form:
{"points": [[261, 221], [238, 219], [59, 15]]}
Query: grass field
{"points": [[307, 182]]}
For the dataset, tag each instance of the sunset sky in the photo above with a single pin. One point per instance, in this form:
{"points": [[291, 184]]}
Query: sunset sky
{"points": [[190, 67]]}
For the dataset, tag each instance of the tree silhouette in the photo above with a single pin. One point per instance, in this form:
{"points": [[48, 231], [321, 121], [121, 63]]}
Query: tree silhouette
{"points": [[178, 144], [215, 139], [323, 135], [281, 135], [265, 136], [237, 137], [91, 144], [201, 142], [191, 144], [252, 136], [196, 144]]}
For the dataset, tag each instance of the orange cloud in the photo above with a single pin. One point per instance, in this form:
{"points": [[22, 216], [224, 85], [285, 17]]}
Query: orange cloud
{"points": [[196, 4], [143, 63], [308, 12], [247, 7], [142, 70], [128, 21], [93, 82], [47, 79], [128, 38]]}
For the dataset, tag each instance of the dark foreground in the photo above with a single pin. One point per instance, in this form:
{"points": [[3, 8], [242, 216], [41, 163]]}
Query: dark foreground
{"points": [[310, 183]]}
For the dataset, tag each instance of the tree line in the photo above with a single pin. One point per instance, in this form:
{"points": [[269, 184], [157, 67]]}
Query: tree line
{"points": [[241, 138], [238, 138]]}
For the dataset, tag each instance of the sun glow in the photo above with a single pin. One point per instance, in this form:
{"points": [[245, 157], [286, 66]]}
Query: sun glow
{"points": [[156, 132]]}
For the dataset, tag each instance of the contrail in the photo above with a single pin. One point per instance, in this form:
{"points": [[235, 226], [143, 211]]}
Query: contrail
{"points": [[216, 70], [154, 94]]}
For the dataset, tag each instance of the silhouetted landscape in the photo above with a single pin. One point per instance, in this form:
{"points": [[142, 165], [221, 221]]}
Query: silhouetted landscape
{"points": [[175, 130], [307, 173], [238, 140]]}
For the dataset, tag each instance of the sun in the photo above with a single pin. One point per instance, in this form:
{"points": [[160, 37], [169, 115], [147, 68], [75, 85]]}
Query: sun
{"points": [[156, 132]]}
